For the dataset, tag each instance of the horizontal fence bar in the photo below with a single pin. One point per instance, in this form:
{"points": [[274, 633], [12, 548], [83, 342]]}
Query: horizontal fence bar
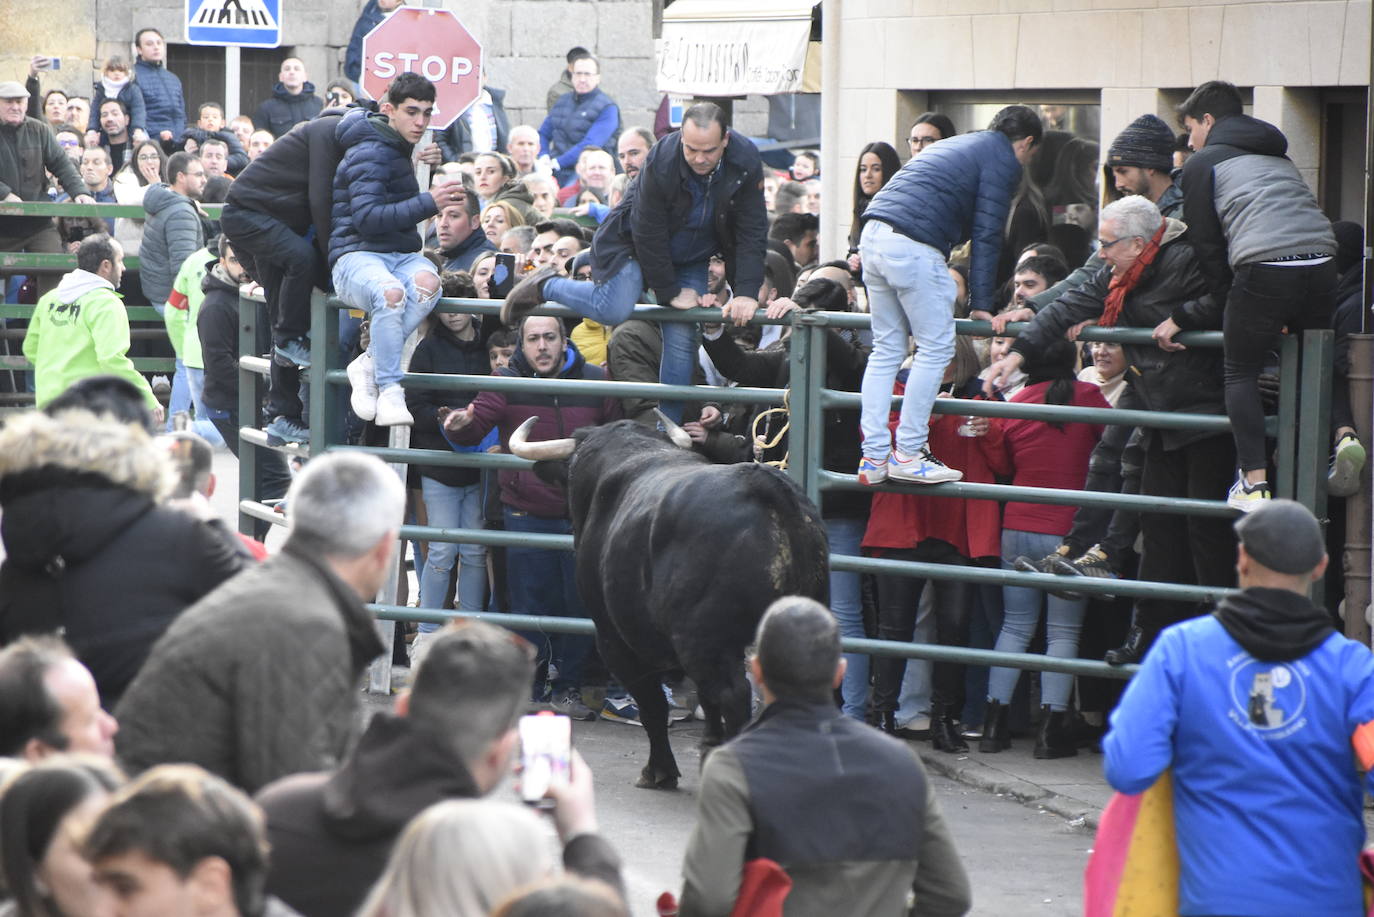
{"points": [[135, 313], [1143, 503], [259, 439], [1082, 584], [73, 209], [259, 365], [645, 311], [50, 262], [962, 655], [1053, 413], [142, 364], [604, 388]]}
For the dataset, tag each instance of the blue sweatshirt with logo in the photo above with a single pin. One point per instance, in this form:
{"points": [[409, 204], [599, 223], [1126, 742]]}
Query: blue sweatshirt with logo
{"points": [[1268, 805]]}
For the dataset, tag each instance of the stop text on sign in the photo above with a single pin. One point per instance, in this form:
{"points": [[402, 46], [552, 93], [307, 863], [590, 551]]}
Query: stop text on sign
{"points": [[432, 67]]}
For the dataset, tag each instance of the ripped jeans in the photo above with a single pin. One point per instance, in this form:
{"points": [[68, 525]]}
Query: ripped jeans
{"points": [[363, 279]]}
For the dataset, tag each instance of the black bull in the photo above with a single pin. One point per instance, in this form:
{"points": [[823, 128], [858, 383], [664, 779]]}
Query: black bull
{"points": [[677, 559]]}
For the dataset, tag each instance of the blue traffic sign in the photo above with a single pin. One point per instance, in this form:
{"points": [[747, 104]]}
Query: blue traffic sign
{"points": [[248, 23]]}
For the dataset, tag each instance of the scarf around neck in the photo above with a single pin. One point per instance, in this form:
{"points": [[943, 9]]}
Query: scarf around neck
{"points": [[1122, 284]]}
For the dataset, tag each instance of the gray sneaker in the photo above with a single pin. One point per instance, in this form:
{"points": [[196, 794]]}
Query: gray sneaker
{"points": [[294, 352], [285, 430], [569, 703]]}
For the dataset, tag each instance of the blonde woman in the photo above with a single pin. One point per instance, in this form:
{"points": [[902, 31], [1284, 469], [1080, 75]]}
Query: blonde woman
{"points": [[497, 217]]}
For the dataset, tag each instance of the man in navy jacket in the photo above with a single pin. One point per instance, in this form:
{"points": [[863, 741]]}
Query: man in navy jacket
{"points": [[585, 117], [374, 247], [699, 192], [164, 104], [960, 184], [1254, 709]]}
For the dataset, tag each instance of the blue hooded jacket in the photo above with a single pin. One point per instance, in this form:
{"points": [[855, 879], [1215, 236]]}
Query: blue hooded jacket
{"points": [[960, 188], [377, 201], [1268, 806]]}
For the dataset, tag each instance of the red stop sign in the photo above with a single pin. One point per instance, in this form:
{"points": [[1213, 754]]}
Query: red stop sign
{"points": [[432, 43]]}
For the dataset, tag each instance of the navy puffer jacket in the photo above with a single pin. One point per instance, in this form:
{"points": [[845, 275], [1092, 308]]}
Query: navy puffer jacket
{"points": [[960, 188], [576, 122], [284, 111], [163, 102], [377, 201]]}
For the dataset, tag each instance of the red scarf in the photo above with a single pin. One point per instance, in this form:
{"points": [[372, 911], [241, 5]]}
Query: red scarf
{"points": [[1124, 283]]}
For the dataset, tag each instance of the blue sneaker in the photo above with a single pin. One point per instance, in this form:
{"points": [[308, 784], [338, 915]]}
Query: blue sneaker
{"points": [[295, 352], [620, 710], [285, 430]]}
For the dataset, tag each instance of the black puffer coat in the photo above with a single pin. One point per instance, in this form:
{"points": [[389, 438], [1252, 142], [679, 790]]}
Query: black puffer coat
{"points": [[89, 547]]}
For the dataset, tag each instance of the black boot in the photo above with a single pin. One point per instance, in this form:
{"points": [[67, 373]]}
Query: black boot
{"points": [[1056, 738], [887, 721], [944, 731], [996, 737], [1131, 651]]}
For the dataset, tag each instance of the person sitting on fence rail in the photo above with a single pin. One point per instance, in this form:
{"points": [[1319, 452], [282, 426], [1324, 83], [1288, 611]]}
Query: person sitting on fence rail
{"points": [[28, 149], [1152, 280], [1254, 710], [374, 249], [257, 680], [451, 736], [542, 580], [699, 192], [91, 547]]}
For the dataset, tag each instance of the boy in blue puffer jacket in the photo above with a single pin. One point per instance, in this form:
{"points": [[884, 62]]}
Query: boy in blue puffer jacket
{"points": [[1262, 712], [374, 247]]}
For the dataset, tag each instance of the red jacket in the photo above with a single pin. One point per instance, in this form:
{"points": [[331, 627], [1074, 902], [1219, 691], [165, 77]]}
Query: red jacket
{"points": [[974, 527], [1042, 456]]}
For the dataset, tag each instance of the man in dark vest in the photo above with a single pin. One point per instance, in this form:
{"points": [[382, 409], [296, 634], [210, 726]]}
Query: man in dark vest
{"points": [[585, 117], [846, 811]]}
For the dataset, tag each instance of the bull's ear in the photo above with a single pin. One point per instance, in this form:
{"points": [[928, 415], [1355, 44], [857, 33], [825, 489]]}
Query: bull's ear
{"points": [[554, 473]]}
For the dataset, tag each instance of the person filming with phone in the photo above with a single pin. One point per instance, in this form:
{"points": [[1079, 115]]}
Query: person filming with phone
{"points": [[452, 735]]}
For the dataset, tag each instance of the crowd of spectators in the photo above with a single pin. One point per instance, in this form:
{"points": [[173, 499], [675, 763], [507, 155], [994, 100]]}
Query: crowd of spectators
{"points": [[172, 624]]}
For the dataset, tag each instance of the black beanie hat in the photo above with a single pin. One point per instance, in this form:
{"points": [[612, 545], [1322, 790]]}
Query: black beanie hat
{"points": [[1148, 143]]}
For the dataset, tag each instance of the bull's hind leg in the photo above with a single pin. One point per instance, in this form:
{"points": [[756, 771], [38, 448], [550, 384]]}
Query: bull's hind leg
{"points": [[725, 699]]}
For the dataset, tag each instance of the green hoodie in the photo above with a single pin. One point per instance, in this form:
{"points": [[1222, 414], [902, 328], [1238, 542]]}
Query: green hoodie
{"points": [[183, 307], [80, 330]]}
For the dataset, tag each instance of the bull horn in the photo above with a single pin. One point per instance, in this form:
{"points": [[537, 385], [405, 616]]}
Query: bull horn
{"points": [[551, 450], [678, 435]]}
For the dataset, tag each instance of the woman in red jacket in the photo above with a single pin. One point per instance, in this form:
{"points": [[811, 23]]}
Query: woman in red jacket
{"points": [[942, 530], [1041, 454]]}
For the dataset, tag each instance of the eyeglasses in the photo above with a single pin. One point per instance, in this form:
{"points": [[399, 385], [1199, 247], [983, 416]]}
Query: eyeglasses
{"points": [[70, 143], [1103, 244], [920, 143], [148, 157]]}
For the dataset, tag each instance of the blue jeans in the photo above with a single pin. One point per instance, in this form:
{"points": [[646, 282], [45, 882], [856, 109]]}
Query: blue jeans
{"points": [[179, 401], [846, 605], [362, 280], [910, 293], [202, 424], [1021, 613], [544, 582], [612, 301], [453, 508]]}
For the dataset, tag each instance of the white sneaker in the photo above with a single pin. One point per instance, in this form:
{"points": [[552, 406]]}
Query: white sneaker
{"points": [[921, 468], [363, 377], [391, 408]]}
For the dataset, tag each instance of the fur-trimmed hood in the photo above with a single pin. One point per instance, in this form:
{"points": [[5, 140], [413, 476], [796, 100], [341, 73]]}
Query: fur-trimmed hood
{"points": [[71, 484]]}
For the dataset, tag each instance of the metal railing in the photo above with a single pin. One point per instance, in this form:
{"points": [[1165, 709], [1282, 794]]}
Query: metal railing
{"points": [[1304, 407]]}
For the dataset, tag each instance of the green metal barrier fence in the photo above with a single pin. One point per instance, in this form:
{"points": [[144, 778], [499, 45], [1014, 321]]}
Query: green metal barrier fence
{"points": [[1301, 428], [55, 263]]}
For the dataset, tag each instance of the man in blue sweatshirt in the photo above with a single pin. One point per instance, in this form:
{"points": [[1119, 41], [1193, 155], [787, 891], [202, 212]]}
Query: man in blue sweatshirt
{"points": [[1254, 708]]}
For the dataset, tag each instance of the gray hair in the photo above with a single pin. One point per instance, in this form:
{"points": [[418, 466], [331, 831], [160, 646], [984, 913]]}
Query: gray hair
{"points": [[461, 857], [798, 648], [342, 504], [1132, 216]]}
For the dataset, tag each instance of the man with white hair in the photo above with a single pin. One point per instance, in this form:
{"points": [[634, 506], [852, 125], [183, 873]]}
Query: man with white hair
{"points": [[523, 148], [258, 680], [1151, 278]]}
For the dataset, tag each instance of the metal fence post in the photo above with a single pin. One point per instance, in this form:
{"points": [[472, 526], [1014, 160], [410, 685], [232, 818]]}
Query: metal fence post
{"points": [[800, 392], [1285, 486], [250, 396], [326, 413], [815, 413], [1314, 430]]}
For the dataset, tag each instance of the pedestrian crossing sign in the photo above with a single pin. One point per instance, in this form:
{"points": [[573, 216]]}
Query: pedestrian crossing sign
{"points": [[248, 23]]}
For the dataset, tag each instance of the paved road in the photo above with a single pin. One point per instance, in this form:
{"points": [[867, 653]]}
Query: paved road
{"points": [[1021, 860]]}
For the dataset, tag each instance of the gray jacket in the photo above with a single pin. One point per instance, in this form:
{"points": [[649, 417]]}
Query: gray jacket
{"points": [[172, 233], [1244, 201], [257, 680]]}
